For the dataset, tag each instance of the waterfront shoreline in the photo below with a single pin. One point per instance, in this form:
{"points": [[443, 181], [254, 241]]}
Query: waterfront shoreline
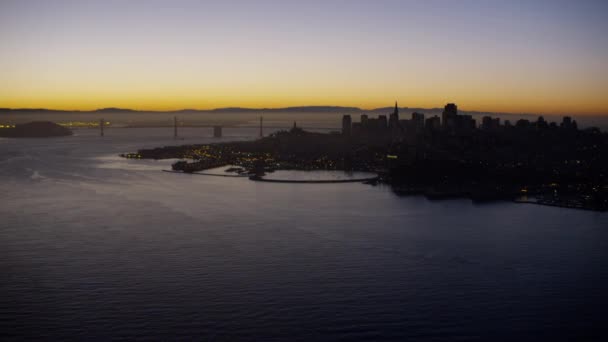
{"points": [[479, 164], [256, 178], [432, 195], [328, 181], [205, 174]]}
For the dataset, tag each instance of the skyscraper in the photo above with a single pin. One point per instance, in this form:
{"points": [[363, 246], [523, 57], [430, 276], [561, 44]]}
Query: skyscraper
{"points": [[433, 123], [393, 121], [396, 111], [364, 119], [568, 123], [418, 120], [448, 117], [382, 124], [489, 123], [346, 124]]}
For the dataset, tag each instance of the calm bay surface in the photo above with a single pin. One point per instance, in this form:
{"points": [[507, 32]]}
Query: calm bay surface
{"points": [[94, 246]]}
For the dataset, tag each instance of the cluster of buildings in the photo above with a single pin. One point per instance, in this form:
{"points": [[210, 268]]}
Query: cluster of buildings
{"points": [[394, 126], [449, 122]]}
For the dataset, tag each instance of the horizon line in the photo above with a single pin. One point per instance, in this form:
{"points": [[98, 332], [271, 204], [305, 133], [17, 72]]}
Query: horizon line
{"points": [[290, 107]]}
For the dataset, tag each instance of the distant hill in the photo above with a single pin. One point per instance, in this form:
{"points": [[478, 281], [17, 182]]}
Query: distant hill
{"points": [[32, 110], [113, 110], [405, 111], [36, 129], [301, 109]]}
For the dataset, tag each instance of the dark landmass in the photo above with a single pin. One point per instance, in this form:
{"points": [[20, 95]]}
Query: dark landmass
{"points": [[113, 110], [531, 162], [292, 150], [299, 109], [36, 129]]}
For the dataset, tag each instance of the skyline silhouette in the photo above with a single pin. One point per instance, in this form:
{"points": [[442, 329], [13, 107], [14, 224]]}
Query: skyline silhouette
{"points": [[290, 170]]}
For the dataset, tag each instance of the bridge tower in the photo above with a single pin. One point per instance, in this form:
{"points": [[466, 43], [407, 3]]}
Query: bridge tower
{"points": [[261, 126], [175, 127]]}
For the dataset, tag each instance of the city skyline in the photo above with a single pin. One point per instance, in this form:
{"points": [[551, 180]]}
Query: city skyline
{"points": [[545, 57], [304, 170]]}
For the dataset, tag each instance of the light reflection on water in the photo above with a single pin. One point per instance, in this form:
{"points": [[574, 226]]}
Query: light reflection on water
{"points": [[94, 246], [117, 162], [317, 175]]}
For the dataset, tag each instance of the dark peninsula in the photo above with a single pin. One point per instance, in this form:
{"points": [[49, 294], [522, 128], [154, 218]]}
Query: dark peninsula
{"points": [[452, 156], [36, 129]]}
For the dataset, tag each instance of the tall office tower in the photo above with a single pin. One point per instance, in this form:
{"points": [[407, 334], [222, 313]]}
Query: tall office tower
{"points": [[448, 117], [346, 124]]}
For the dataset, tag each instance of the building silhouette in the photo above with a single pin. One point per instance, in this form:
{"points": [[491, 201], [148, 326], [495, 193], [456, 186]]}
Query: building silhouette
{"points": [[382, 123], [346, 125], [433, 123], [364, 121], [448, 117], [393, 121], [489, 123], [418, 120], [568, 123]]}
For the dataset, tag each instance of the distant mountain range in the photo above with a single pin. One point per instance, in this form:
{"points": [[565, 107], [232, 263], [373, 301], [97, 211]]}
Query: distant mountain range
{"points": [[300, 109], [321, 109]]}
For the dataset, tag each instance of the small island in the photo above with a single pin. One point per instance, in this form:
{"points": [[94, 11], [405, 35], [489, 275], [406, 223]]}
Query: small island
{"points": [[448, 157], [36, 129]]}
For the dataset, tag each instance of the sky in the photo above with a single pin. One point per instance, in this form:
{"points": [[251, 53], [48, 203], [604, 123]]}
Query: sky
{"points": [[520, 56]]}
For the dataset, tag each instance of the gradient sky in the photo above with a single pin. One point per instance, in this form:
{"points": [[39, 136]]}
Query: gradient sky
{"points": [[510, 56]]}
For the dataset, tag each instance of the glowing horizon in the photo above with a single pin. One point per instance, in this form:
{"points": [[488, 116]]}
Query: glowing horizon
{"points": [[545, 57]]}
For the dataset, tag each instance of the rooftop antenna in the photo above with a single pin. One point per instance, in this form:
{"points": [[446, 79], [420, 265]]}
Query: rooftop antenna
{"points": [[101, 127], [175, 127]]}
